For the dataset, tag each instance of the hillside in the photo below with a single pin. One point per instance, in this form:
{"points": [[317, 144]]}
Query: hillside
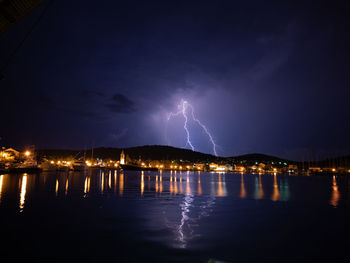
{"points": [[259, 158], [148, 152], [159, 152]]}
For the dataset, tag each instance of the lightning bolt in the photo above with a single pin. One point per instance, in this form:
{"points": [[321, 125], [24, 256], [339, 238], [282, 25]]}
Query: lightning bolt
{"points": [[183, 106], [205, 130], [182, 110]]}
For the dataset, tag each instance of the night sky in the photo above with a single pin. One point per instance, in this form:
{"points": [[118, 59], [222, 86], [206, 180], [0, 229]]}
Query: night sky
{"points": [[267, 77]]}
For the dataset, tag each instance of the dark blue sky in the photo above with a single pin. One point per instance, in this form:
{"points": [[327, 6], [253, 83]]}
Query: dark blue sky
{"points": [[263, 76]]}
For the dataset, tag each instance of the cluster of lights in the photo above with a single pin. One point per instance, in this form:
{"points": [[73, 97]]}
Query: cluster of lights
{"points": [[213, 166], [5, 155], [61, 162], [87, 163]]}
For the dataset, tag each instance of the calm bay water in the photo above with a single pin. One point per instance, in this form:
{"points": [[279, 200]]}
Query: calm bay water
{"points": [[173, 217]]}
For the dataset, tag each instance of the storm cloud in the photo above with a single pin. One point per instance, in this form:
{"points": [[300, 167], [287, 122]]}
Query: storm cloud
{"points": [[263, 76], [121, 104]]}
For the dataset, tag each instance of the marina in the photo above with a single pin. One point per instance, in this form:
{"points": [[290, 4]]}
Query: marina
{"points": [[174, 131], [165, 216]]}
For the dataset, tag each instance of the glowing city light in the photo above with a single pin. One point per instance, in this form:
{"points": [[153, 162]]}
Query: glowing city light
{"points": [[183, 110]]}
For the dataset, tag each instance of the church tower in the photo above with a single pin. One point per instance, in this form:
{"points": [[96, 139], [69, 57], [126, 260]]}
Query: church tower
{"points": [[122, 157]]}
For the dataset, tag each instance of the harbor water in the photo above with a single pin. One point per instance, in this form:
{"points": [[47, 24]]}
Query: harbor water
{"points": [[134, 216]]}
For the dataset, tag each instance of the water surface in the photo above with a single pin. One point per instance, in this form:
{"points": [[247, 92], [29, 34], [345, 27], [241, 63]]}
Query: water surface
{"points": [[173, 217]]}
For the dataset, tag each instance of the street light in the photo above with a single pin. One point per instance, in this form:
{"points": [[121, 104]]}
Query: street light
{"points": [[27, 153]]}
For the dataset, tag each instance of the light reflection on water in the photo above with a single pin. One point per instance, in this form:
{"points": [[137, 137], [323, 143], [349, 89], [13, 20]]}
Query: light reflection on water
{"points": [[185, 209], [57, 185], [143, 182], [195, 194], [335, 193], [199, 189], [1, 182], [273, 187], [66, 188], [276, 193], [243, 193], [102, 181], [108, 180], [23, 192], [121, 183]]}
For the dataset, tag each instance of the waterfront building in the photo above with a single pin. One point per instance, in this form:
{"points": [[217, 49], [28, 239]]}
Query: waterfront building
{"points": [[199, 166], [155, 163], [315, 169], [122, 157], [261, 166], [9, 155], [239, 168], [292, 168], [213, 166]]}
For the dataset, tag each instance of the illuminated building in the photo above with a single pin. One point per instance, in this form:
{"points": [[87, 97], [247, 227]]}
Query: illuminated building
{"points": [[315, 169], [122, 157], [213, 166], [9, 154], [199, 166]]}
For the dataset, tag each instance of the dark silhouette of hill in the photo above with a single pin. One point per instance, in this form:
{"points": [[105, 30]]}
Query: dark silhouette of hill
{"points": [[147, 152], [259, 158], [155, 152], [58, 153], [160, 152]]}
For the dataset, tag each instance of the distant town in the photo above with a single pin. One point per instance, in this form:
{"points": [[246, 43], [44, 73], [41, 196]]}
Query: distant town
{"points": [[161, 158]]}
